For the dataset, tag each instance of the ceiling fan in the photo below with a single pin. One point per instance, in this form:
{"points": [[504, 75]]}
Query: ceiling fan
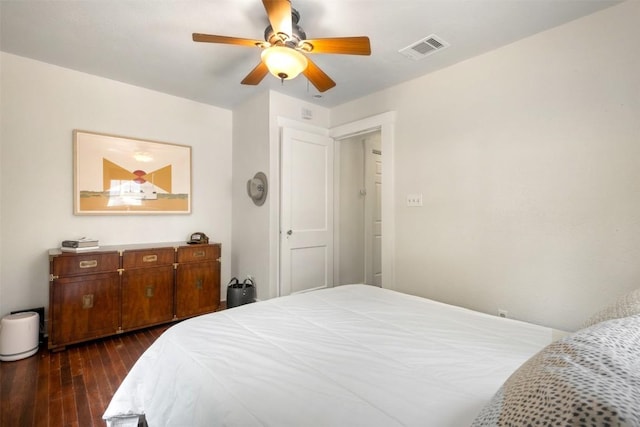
{"points": [[285, 45]]}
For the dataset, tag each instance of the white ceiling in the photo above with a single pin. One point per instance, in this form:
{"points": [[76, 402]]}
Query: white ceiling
{"points": [[148, 43]]}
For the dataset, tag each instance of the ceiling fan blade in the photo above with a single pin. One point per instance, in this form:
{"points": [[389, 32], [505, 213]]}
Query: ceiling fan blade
{"points": [[317, 77], [210, 38], [279, 13], [344, 45], [256, 75]]}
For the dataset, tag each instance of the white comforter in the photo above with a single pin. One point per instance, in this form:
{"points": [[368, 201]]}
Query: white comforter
{"points": [[353, 355]]}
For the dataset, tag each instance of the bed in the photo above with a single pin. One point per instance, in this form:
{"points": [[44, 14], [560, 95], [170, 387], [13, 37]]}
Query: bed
{"points": [[352, 355]]}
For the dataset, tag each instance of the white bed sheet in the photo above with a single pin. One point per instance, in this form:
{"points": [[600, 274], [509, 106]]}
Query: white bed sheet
{"points": [[353, 355]]}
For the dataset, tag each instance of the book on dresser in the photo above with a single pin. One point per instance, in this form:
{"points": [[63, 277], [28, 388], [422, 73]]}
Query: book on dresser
{"points": [[83, 242]]}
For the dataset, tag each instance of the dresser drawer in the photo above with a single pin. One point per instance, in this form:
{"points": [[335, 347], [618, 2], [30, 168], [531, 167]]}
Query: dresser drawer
{"points": [[197, 253], [75, 264], [148, 257]]}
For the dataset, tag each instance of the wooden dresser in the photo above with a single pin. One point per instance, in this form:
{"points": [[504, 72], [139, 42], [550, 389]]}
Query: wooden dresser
{"points": [[122, 288]]}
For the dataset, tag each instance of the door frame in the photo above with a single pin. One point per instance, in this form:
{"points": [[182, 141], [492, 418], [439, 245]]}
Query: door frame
{"points": [[385, 123], [370, 161]]}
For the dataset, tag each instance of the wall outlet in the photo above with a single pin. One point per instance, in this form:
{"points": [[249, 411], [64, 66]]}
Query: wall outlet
{"points": [[414, 200], [503, 313]]}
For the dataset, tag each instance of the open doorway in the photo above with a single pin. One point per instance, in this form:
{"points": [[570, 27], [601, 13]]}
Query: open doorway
{"points": [[358, 209]]}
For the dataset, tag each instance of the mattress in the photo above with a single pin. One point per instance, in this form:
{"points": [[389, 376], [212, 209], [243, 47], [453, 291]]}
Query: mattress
{"points": [[352, 355]]}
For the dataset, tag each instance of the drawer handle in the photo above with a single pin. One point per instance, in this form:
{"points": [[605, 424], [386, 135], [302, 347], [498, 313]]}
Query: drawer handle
{"points": [[148, 291], [199, 283], [150, 258], [87, 301], [199, 254], [89, 264]]}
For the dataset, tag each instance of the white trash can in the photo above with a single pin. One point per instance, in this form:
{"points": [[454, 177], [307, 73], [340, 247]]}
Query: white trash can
{"points": [[19, 335]]}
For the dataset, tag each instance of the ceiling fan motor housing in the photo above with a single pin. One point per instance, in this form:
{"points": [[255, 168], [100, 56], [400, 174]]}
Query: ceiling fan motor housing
{"points": [[294, 39]]}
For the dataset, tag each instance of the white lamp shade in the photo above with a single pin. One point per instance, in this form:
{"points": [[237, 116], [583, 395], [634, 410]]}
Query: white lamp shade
{"points": [[284, 62]]}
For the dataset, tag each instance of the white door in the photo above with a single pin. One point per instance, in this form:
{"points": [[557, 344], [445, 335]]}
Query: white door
{"points": [[306, 219], [373, 211]]}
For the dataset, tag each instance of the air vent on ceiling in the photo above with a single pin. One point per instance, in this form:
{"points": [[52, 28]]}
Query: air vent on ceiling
{"points": [[424, 47]]}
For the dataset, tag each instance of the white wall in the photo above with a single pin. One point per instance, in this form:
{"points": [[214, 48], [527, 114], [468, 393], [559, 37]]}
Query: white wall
{"points": [[250, 232], [40, 105], [529, 163]]}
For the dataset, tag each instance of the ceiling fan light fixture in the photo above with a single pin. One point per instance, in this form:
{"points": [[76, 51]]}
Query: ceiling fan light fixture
{"points": [[283, 62]]}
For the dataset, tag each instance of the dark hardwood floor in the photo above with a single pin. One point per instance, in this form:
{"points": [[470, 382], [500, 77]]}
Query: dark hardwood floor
{"points": [[71, 387]]}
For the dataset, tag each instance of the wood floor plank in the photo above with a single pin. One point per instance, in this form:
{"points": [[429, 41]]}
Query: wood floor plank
{"points": [[7, 374], [69, 411], [29, 388], [135, 348], [55, 391], [119, 366], [77, 370], [55, 382], [82, 402], [41, 411], [94, 377], [106, 357], [123, 352]]}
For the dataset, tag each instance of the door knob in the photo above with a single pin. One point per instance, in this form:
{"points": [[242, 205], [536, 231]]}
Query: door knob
{"points": [[289, 233]]}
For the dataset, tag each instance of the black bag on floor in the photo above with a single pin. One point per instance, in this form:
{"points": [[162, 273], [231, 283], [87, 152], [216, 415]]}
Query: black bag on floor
{"points": [[240, 293]]}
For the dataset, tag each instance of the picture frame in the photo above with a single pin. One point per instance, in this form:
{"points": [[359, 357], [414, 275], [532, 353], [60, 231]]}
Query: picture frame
{"points": [[117, 175]]}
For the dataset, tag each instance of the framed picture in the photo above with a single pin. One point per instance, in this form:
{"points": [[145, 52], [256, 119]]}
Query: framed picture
{"points": [[120, 175]]}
